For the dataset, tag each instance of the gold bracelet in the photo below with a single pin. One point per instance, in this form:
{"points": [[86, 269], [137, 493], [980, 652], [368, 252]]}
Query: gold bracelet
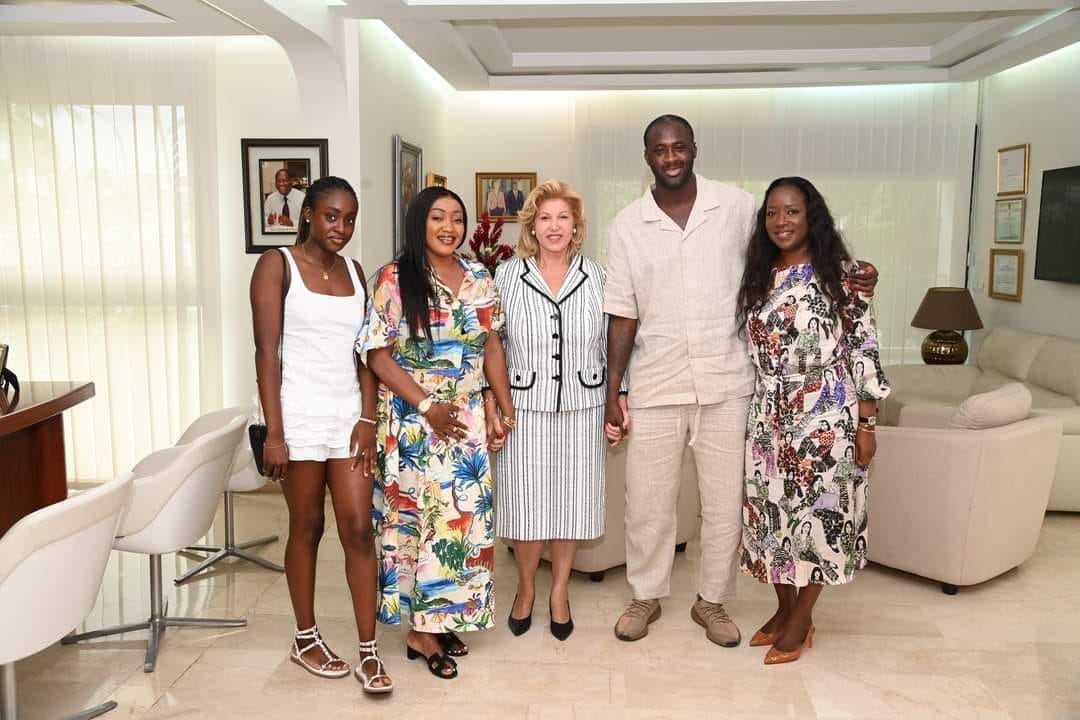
{"points": [[867, 428], [366, 420], [489, 400], [509, 422]]}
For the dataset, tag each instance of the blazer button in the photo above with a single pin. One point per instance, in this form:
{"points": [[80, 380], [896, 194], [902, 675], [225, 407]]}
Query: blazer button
{"points": [[556, 356], [555, 336], [556, 378]]}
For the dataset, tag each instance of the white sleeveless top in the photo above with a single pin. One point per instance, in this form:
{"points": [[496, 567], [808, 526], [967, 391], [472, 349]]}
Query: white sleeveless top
{"points": [[320, 394]]}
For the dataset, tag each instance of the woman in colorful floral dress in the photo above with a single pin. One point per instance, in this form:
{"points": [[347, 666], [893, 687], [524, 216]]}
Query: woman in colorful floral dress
{"points": [[813, 342], [431, 337]]}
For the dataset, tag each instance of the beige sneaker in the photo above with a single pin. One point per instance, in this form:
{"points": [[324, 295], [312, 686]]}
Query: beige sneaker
{"points": [[718, 626], [633, 624]]}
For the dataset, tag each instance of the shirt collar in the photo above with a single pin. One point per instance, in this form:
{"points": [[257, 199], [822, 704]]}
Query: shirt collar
{"points": [[707, 199]]}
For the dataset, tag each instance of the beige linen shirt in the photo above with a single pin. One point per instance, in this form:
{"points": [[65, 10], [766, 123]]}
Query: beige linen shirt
{"points": [[681, 286]]}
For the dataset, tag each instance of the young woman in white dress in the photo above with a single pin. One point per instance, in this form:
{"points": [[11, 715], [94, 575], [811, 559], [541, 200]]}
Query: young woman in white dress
{"points": [[318, 404]]}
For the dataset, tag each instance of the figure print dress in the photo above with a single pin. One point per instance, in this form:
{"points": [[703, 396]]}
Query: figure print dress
{"points": [[804, 513], [433, 497]]}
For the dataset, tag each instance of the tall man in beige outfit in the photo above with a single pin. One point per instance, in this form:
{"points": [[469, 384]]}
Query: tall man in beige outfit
{"points": [[675, 261]]}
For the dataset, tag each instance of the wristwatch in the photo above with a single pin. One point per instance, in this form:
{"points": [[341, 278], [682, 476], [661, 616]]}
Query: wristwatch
{"points": [[425, 405], [870, 421]]}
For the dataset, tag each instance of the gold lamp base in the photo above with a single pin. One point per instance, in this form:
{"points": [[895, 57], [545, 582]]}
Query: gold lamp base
{"points": [[944, 347]]}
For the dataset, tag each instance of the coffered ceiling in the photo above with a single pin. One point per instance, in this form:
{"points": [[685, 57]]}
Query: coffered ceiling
{"points": [[486, 44]]}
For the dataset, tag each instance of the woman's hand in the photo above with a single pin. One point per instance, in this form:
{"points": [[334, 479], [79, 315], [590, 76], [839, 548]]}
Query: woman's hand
{"points": [[496, 432], [362, 448], [864, 279], [275, 458], [443, 419], [865, 447]]}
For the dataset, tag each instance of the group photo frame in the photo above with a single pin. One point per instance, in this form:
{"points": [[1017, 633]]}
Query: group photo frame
{"points": [[276, 174], [502, 194]]}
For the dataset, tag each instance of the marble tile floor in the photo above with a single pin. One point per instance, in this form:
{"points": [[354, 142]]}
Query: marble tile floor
{"points": [[888, 646]]}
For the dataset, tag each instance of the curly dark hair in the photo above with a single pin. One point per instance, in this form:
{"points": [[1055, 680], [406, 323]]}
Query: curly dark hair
{"points": [[827, 252]]}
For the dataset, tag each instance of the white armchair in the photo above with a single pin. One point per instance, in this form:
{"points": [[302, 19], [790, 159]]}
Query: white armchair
{"points": [[173, 501], [959, 506]]}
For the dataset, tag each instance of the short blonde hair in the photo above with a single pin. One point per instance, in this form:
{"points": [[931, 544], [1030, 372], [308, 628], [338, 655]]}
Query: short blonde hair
{"points": [[528, 245]]}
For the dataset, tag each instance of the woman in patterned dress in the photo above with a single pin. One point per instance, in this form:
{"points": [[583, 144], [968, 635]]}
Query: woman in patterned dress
{"points": [[431, 338], [813, 342]]}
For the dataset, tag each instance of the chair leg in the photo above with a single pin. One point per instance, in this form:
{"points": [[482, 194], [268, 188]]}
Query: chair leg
{"points": [[157, 622], [7, 699], [93, 712], [949, 589], [7, 691], [229, 549]]}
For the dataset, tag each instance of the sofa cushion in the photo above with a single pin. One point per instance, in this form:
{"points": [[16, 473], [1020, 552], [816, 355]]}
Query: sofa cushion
{"points": [[1057, 368], [1010, 351], [1004, 406], [1069, 417], [1043, 398], [990, 380]]}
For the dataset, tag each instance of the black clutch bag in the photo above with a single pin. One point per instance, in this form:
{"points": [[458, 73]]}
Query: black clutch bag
{"points": [[257, 436]]}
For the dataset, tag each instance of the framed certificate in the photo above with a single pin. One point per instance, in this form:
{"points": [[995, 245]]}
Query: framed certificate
{"points": [[1012, 170], [1006, 274], [1009, 221]]}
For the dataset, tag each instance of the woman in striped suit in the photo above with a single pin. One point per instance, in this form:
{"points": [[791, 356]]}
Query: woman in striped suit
{"points": [[549, 481]]}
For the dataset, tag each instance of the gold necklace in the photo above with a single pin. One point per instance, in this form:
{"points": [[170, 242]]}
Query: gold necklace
{"points": [[325, 273]]}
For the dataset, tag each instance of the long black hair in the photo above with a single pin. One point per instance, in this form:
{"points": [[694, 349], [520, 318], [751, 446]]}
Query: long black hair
{"points": [[827, 252], [414, 274], [316, 192]]}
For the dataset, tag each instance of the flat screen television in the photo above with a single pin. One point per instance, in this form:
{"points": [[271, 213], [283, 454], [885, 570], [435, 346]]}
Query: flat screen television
{"points": [[1057, 253]]}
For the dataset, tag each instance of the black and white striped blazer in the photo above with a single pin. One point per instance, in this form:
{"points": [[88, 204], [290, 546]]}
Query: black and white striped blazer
{"points": [[556, 347]]}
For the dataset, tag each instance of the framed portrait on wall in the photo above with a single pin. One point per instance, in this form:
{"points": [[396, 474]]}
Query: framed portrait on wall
{"points": [[408, 168], [1006, 274], [503, 194], [1009, 221], [1012, 170], [276, 175]]}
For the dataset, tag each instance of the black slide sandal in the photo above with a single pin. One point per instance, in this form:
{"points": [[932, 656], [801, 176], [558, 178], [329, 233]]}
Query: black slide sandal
{"points": [[436, 662]]}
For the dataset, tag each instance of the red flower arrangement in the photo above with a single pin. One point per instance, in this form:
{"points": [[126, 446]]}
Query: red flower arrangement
{"points": [[485, 244]]}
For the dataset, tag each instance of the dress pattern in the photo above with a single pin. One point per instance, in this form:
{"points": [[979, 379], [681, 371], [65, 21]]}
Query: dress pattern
{"points": [[433, 497], [804, 513]]}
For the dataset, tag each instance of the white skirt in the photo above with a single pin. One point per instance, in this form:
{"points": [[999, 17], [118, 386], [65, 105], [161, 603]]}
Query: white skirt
{"points": [[549, 478]]}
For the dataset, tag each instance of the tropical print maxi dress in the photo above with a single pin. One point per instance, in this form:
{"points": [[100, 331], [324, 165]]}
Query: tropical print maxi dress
{"points": [[433, 497], [804, 513]]}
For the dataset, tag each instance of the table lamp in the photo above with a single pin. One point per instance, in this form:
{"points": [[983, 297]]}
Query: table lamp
{"points": [[947, 311]]}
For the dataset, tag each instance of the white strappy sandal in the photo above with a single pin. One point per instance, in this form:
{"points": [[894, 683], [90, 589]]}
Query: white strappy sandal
{"points": [[371, 648], [297, 654]]}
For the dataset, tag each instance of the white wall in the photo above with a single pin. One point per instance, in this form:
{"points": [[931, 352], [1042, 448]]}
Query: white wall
{"points": [[1037, 103], [398, 94]]}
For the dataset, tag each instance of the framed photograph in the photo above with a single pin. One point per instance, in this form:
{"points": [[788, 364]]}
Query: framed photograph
{"points": [[1006, 274], [503, 194], [433, 180], [408, 169], [1012, 170], [1009, 221], [276, 175]]}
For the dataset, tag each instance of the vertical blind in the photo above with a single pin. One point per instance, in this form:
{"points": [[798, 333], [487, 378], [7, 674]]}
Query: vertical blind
{"points": [[99, 266]]}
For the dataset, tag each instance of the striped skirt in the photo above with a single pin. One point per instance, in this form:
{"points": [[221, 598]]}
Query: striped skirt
{"points": [[549, 478]]}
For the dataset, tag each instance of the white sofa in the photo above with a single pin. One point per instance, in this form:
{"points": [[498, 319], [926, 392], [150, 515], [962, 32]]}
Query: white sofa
{"points": [[1047, 365], [960, 505]]}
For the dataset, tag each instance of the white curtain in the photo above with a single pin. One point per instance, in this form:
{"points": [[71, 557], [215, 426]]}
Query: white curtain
{"points": [[893, 162], [100, 269]]}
